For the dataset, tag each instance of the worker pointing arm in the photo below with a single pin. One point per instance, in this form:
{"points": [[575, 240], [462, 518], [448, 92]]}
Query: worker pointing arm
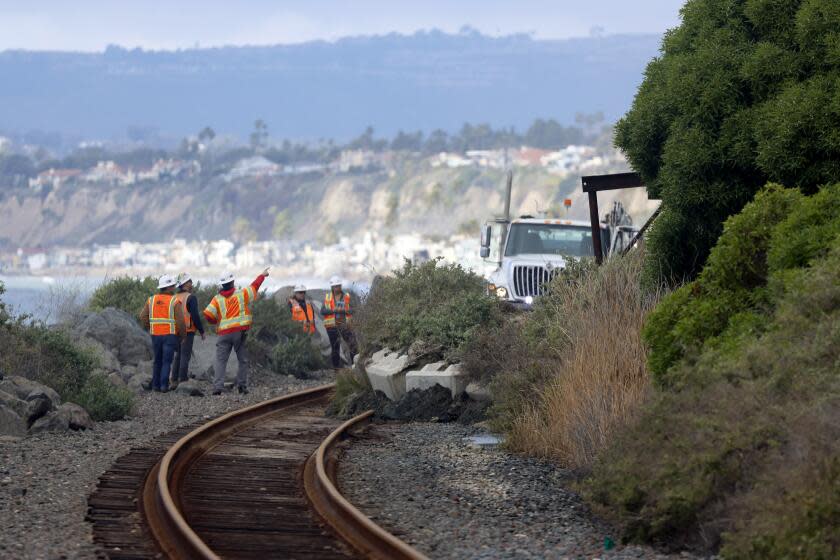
{"points": [[230, 311]]}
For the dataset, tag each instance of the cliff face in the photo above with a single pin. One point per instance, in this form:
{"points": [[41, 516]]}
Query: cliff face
{"points": [[411, 197]]}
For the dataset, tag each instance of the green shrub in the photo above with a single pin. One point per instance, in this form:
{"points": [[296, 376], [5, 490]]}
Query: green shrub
{"points": [[125, 293], [731, 282], [434, 305], [277, 343], [102, 399], [742, 93], [296, 357], [739, 448], [48, 356]]}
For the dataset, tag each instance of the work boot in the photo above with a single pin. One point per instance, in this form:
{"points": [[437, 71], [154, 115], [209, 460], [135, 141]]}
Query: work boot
{"points": [[217, 392], [243, 390]]}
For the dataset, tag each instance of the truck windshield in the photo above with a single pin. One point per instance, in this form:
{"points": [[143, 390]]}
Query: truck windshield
{"points": [[549, 239]]}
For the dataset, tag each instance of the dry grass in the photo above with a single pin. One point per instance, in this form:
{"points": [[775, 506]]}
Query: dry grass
{"points": [[599, 377]]}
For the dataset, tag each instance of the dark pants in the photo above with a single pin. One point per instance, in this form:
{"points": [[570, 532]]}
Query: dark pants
{"points": [[164, 348], [181, 361], [336, 335]]}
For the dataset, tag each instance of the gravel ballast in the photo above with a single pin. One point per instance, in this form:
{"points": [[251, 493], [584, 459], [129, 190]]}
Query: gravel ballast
{"points": [[45, 479], [449, 499]]}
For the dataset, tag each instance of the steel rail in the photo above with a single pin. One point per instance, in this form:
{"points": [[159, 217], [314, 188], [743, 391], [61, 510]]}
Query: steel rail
{"points": [[163, 509], [368, 538], [161, 504]]}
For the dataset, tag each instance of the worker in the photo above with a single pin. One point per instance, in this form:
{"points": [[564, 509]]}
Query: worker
{"points": [[163, 316], [230, 311], [193, 323], [301, 310], [337, 316]]}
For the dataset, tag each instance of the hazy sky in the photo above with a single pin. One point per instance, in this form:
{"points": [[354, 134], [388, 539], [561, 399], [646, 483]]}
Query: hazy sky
{"points": [[90, 25]]}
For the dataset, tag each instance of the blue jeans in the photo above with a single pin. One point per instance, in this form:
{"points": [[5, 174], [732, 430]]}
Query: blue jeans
{"points": [[164, 349]]}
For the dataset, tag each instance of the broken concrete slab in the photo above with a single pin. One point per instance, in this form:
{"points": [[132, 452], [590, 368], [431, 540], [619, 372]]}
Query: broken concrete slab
{"points": [[386, 373], [451, 378]]}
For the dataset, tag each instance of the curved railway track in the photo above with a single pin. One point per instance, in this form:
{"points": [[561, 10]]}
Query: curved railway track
{"points": [[255, 483]]}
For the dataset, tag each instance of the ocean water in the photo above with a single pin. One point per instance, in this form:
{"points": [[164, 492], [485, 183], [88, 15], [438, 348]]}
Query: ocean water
{"points": [[45, 298]]}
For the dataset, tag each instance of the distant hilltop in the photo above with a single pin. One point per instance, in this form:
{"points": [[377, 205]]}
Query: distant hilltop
{"points": [[423, 81]]}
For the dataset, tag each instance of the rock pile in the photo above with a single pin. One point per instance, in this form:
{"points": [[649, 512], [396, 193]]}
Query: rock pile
{"points": [[28, 407], [403, 388], [123, 347]]}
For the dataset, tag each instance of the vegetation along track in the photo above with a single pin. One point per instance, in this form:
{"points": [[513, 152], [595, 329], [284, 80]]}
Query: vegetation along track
{"points": [[245, 485]]}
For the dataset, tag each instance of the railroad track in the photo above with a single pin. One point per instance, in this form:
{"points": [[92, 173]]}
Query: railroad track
{"points": [[255, 483]]}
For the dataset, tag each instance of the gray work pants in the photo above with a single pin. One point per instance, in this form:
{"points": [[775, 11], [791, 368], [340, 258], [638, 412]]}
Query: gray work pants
{"points": [[181, 361], [224, 344]]}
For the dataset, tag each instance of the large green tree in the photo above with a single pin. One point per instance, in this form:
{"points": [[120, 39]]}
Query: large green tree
{"points": [[744, 92]]}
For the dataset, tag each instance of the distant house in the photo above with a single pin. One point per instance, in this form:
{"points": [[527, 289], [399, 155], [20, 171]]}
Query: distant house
{"points": [[495, 159], [54, 178], [356, 159], [108, 172], [169, 169], [446, 159], [527, 156], [256, 166]]}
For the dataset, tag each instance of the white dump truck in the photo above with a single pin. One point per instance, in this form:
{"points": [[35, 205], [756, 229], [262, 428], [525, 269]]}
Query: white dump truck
{"points": [[524, 254]]}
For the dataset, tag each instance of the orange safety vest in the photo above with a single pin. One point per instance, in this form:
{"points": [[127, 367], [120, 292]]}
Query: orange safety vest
{"points": [[182, 298], [329, 303], [234, 311], [162, 314], [301, 315]]}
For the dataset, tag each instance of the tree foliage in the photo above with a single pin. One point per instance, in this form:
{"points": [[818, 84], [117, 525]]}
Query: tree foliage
{"points": [[744, 92]]}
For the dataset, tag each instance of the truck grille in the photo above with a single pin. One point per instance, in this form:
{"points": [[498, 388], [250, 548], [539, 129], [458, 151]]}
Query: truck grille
{"points": [[531, 280]]}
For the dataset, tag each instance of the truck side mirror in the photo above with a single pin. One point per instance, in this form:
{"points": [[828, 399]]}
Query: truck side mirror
{"points": [[485, 252], [486, 233]]}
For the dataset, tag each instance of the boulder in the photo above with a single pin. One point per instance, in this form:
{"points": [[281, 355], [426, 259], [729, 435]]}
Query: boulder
{"points": [[386, 372], [22, 387], [52, 422], [38, 404], [68, 416], [77, 417], [451, 378], [108, 362], [118, 332], [18, 406], [190, 388], [11, 423]]}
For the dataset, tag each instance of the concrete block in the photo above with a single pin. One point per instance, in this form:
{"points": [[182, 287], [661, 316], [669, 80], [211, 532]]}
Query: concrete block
{"points": [[451, 378], [386, 373]]}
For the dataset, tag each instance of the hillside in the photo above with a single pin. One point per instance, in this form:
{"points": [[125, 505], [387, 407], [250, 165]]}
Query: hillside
{"points": [[410, 195], [423, 81]]}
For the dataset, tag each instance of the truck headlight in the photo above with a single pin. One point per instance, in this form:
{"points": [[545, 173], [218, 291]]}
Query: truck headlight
{"points": [[501, 292]]}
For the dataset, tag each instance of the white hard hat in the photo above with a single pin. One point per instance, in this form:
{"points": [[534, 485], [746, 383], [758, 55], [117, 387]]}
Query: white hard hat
{"points": [[226, 278], [165, 281], [335, 281], [300, 288], [183, 279]]}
